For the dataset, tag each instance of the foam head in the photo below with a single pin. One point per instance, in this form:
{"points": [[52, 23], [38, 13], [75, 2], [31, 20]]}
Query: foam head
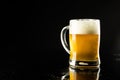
{"points": [[84, 26]]}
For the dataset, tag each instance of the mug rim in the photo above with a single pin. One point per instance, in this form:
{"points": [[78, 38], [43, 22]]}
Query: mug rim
{"points": [[85, 19]]}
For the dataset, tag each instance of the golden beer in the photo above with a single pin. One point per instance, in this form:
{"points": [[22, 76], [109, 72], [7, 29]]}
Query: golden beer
{"points": [[84, 47]]}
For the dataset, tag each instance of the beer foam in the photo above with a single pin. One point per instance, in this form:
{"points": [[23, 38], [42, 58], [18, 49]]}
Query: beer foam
{"points": [[84, 26]]}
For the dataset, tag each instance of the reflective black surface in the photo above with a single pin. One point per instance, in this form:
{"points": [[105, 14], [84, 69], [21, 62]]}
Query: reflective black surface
{"points": [[30, 67], [108, 70]]}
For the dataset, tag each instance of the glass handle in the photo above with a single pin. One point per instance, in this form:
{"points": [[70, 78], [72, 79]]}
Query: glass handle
{"points": [[63, 39]]}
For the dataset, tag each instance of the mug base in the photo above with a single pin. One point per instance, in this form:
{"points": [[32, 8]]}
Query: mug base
{"points": [[84, 65]]}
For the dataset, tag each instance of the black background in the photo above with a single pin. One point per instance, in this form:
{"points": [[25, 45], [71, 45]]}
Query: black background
{"points": [[30, 34]]}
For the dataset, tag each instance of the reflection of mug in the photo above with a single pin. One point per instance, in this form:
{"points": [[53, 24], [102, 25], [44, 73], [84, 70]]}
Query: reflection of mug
{"points": [[77, 74], [84, 39], [83, 75]]}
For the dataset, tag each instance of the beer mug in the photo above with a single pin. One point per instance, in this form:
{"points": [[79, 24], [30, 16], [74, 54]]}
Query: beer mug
{"points": [[84, 40]]}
